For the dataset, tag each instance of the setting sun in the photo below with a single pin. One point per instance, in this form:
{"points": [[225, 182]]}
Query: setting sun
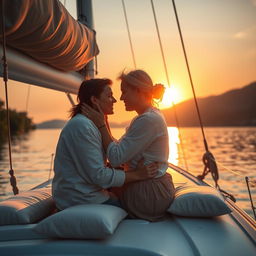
{"points": [[171, 95]]}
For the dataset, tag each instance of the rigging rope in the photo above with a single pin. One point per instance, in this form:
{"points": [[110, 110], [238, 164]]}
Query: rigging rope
{"points": [[234, 172], [189, 73], [5, 78], [51, 165], [250, 196], [208, 158], [168, 82], [70, 99], [27, 100], [160, 43], [129, 34]]}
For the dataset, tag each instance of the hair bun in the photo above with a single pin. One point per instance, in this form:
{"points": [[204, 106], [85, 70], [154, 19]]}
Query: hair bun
{"points": [[158, 91]]}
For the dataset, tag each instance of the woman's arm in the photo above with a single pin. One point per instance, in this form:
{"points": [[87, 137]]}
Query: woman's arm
{"points": [[139, 136], [106, 136], [141, 133], [100, 120]]}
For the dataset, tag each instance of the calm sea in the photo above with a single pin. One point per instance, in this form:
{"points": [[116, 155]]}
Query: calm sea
{"points": [[234, 149]]}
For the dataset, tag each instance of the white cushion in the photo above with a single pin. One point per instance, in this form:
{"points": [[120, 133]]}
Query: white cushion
{"points": [[198, 201], [26, 207], [88, 221]]}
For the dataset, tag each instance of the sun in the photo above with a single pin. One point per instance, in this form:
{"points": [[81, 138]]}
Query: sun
{"points": [[171, 96]]}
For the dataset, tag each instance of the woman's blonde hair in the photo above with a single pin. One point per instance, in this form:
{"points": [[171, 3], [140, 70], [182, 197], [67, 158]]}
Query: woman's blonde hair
{"points": [[139, 79]]}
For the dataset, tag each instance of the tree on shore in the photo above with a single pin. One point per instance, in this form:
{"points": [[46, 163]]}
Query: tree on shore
{"points": [[19, 122]]}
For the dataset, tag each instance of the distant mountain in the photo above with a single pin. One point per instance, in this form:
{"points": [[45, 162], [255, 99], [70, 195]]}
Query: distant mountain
{"points": [[51, 124], [59, 124], [119, 125], [233, 108]]}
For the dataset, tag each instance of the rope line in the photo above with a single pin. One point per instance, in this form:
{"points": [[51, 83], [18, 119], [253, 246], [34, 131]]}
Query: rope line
{"points": [[209, 161], [70, 98], [250, 196], [229, 170], [28, 96], [5, 78], [160, 43], [38, 162], [168, 81], [51, 165], [189, 73], [234, 172], [129, 34]]}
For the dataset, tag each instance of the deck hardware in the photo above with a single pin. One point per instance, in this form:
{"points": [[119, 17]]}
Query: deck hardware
{"points": [[250, 196]]}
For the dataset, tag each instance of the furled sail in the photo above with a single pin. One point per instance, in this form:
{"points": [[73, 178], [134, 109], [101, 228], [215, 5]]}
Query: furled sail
{"points": [[56, 42], [44, 30], [27, 70]]}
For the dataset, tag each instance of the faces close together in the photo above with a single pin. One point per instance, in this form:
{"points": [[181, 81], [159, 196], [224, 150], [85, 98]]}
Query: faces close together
{"points": [[106, 101], [130, 96]]}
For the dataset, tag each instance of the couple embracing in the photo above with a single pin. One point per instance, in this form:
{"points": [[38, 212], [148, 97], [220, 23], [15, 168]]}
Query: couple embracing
{"points": [[135, 177]]}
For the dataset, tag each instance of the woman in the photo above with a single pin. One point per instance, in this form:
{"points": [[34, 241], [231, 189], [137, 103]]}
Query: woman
{"points": [[147, 138], [80, 173]]}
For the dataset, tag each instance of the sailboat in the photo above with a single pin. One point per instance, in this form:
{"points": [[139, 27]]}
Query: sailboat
{"points": [[203, 220]]}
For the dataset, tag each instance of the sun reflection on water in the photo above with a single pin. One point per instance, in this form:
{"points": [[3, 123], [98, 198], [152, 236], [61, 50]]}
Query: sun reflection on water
{"points": [[174, 141], [234, 149]]}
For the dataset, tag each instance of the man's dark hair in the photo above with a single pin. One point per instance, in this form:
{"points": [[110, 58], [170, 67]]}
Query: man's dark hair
{"points": [[88, 88]]}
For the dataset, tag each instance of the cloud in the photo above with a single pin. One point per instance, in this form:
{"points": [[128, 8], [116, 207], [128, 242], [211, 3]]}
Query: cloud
{"points": [[248, 36], [248, 33], [240, 35]]}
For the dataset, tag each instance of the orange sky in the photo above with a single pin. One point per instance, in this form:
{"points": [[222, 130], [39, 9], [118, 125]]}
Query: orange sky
{"points": [[220, 37]]}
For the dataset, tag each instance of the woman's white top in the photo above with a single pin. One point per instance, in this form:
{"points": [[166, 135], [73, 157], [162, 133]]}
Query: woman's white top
{"points": [[147, 137]]}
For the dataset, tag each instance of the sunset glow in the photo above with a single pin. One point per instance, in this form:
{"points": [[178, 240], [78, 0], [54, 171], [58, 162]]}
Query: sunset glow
{"points": [[221, 53], [171, 96]]}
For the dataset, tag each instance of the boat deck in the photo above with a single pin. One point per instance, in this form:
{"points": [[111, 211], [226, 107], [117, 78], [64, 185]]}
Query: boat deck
{"points": [[173, 236]]}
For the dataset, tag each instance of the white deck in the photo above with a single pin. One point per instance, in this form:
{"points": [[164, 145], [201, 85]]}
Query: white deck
{"points": [[174, 236]]}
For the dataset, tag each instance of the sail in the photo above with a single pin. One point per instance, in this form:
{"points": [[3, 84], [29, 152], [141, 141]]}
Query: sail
{"points": [[45, 44], [27, 70], [44, 30]]}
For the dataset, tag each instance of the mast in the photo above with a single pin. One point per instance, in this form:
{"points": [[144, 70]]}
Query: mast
{"points": [[85, 16]]}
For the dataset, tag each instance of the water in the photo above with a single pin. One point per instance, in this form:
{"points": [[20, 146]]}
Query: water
{"points": [[233, 147]]}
